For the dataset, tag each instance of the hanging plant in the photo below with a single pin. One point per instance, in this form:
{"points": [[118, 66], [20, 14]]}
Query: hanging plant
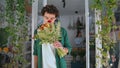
{"points": [[106, 8], [3, 36], [18, 28], [79, 24]]}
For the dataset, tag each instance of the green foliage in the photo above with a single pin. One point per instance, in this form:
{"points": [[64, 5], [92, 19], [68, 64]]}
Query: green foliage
{"points": [[74, 53], [81, 53], [106, 8], [3, 36], [92, 44], [17, 26]]}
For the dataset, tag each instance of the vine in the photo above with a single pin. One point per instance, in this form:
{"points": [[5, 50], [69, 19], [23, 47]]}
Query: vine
{"points": [[107, 22], [17, 27]]}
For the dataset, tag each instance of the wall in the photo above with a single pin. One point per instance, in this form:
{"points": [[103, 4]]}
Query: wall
{"points": [[66, 20]]}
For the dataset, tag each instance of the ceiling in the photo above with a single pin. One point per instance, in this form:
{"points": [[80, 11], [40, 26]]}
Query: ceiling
{"points": [[70, 6]]}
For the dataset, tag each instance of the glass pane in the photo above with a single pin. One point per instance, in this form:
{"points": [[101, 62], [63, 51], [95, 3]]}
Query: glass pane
{"points": [[115, 52], [92, 35]]}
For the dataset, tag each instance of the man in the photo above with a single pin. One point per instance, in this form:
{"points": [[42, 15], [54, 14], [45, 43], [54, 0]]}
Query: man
{"points": [[49, 58]]}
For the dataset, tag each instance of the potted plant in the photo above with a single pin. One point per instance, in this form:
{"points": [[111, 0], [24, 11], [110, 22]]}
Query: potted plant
{"points": [[81, 53], [74, 54]]}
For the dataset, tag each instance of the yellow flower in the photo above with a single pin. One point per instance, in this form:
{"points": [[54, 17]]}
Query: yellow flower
{"points": [[0, 49], [46, 25], [5, 49]]}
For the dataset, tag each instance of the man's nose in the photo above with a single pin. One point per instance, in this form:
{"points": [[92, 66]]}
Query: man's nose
{"points": [[49, 21]]}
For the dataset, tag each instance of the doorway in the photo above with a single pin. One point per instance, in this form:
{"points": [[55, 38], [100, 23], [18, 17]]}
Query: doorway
{"points": [[73, 19]]}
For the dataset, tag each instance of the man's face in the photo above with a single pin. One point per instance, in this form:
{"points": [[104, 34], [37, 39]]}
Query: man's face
{"points": [[49, 18]]}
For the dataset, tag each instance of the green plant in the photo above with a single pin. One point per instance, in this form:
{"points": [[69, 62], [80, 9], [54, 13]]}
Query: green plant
{"points": [[3, 36], [92, 44], [106, 9], [81, 53], [74, 54], [17, 27]]}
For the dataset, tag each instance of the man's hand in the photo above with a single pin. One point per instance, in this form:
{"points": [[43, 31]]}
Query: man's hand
{"points": [[57, 44]]}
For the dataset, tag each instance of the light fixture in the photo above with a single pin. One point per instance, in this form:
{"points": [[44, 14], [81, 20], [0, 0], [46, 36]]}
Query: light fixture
{"points": [[64, 3]]}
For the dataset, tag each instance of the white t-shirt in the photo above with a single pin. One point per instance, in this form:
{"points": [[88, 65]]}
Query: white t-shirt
{"points": [[48, 56]]}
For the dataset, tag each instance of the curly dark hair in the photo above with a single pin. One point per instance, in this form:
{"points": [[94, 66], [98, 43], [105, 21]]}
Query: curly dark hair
{"points": [[50, 9]]}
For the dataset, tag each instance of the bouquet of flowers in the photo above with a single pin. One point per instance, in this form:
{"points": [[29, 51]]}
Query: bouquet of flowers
{"points": [[49, 33]]}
